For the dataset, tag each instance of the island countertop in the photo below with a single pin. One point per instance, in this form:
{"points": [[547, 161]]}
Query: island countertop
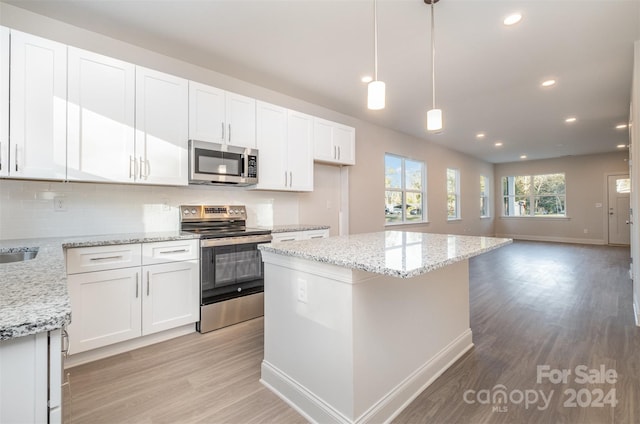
{"points": [[400, 254], [33, 293]]}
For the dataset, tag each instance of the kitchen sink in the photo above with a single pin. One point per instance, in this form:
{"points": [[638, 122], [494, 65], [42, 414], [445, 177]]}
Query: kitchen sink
{"points": [[8, 257]]}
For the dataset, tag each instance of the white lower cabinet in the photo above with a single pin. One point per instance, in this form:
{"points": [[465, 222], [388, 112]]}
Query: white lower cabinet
{"points": [[30, 377], [299, 235], [155, 291]]}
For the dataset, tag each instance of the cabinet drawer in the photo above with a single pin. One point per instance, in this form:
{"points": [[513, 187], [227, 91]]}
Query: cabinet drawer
{"points": [[100, 258], [169, 251]]}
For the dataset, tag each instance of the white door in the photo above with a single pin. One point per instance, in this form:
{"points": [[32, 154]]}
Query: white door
{"points": [[272, 146], [4, 101], [106, 308], [206, 113], [241, 120], [100, 125], [162, 127], [300, 150], [619, 189], [171, 296], [38, 120]]}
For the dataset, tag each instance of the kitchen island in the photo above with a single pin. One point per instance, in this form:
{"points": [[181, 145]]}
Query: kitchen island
{"points": [[357, 326]]}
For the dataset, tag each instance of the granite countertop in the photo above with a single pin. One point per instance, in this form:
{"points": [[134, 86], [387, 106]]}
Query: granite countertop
{"points": [[33, 293], [297, 227], [396, 253]]}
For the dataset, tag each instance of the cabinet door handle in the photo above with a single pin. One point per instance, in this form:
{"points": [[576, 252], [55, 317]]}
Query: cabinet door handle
{"points": [[335, 152], [339, 153], [66, 342], [290, 179], [289, 239], [167, 252], [131, 174], [316, 237], [148, 282], [137, 285], [16, 158], [104, 258], [141, 167], [229, 133], [222, 126], [148, 169], [285, 178]]}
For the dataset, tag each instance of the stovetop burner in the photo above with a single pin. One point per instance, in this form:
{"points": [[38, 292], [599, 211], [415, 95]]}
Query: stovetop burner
{"points": [[213, 221]]}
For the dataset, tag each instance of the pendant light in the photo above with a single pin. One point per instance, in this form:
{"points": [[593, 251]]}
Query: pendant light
{"points": [[375, 89], [434, 116]]}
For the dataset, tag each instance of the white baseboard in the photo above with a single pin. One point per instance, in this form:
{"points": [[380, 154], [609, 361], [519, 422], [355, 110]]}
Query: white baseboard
{"points": [[315, 410], [552, 239], [126, 346]]}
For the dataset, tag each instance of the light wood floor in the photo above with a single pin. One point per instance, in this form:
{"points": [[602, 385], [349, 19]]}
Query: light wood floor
{"points": [[531, 304]]}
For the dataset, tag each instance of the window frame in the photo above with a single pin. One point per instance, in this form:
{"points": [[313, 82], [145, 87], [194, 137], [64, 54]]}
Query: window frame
{"points": [[404, 190], [455, 193], [486, 195], [531, 197]]}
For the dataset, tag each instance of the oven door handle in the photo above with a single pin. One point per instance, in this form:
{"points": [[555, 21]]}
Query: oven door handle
{"points": [[227, 241]]}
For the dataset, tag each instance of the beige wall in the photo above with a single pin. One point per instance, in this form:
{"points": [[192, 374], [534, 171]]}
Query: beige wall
{"points": [[367, 183], [586, 186]]}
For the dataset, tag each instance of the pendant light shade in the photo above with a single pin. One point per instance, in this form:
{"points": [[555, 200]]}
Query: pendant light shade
{"points": [[376, 89], [434, 116], [376, 97], [434, 120]]}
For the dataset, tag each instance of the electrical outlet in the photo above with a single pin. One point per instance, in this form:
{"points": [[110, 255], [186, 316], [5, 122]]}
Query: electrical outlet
{"points": [[165, 205], [59, 204], [302, 290]]}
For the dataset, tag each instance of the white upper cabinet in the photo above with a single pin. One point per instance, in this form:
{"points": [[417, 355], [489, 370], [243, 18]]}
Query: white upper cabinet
{"points": [[4, 101], [334, 143], [162, 127], [38, 92], [100, 118], [285, 145], [300, 150], [219, 116]]}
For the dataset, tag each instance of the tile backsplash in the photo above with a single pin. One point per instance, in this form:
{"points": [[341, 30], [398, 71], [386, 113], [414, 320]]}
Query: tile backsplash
{"points": [[27, 207]]}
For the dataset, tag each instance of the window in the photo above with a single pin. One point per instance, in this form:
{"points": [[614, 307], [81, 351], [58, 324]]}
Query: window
{"points": [[453, 193], [404, 181], [484, 197], [534, 195]]}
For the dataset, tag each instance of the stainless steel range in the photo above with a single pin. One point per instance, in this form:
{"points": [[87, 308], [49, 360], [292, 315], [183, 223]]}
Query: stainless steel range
{"points": [[231, 268]]}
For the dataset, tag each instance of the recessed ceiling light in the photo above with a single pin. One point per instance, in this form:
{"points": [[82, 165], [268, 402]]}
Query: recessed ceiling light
{"points": [[523, 156], [548, 83], [621, 126], [366, 79], [481, 135], [498, 144], [571, 119], [512, 19], [621, 146]]}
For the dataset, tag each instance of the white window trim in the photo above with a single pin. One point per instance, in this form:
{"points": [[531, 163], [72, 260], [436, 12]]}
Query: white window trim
{"points": [[458, 215], [531, 197], [487, 191], [423, 192]]}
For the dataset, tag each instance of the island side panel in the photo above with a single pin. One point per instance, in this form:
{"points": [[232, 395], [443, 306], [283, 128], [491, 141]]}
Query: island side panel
{"points": [[406, 333], [308, 346]]}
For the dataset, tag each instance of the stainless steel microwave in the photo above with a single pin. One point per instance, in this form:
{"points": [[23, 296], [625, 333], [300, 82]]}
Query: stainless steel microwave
{"points": [[213, 163]]}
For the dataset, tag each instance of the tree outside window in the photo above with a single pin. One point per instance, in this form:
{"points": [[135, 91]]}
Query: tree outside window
{"points": [[534, 195], [404, 190]]}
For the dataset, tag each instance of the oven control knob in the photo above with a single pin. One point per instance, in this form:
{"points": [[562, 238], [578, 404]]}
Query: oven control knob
{"points": [[239, 289], [186, 211], [193, 211]]}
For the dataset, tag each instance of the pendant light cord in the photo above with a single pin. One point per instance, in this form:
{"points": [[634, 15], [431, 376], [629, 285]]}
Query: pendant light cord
{"points": [[375, 40], [433, 56]]}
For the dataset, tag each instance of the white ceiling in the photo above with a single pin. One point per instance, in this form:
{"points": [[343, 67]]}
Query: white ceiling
{"points": [[488, 75]]}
